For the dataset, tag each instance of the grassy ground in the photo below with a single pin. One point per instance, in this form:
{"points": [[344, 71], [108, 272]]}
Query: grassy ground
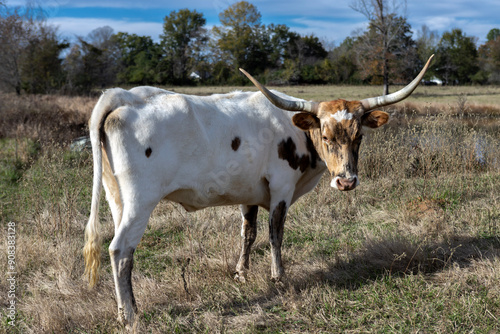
{"points": [[424, 94], [414, 249]]}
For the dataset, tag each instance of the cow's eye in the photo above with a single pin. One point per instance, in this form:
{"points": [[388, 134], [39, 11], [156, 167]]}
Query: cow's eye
{"points": [[325, 139]]}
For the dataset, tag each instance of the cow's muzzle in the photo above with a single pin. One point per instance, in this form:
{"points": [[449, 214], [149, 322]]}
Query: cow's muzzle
{"points": [[344, 184]]}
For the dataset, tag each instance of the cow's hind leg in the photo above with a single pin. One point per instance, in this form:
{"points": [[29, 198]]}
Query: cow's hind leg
{"points": [[248, 233], [121, 251]]}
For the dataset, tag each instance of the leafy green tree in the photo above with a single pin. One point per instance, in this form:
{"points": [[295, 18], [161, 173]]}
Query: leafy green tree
{"points": [[308, 53], [280, 37], [138, 59], [283, 68], [489, 59], [307, 50], [299, 57], [84, 66], [29, 52], [184, 36], [340, 65], [456, 61], [493, 34], [242, 40], [40, 63]]}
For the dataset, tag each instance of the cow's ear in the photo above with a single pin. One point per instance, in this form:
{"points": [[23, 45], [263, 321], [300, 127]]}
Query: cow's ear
{"points": [[305, 121], [374, 119]]}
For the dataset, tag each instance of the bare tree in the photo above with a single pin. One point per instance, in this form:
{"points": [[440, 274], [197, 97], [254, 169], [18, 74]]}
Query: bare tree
{"points": [[101, 37], [427, 42], [15, 33], [385, 17]]}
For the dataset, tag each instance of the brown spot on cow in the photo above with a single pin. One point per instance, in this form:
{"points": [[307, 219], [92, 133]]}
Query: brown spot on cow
{"points": [[312, 150], [235, 144], [148, 152], [287, 151]]}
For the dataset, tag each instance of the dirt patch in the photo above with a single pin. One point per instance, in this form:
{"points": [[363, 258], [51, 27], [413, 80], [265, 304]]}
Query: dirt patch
{"points": [[426, 207]]}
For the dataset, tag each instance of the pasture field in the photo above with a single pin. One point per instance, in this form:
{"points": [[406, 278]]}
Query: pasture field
{"points": [[414, 249], [476, 95]]}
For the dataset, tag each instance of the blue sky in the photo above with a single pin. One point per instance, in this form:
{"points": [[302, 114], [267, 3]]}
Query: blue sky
{"points": [[331, 20]]}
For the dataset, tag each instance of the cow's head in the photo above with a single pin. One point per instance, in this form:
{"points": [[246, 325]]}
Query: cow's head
{"points": [[336, 127]]}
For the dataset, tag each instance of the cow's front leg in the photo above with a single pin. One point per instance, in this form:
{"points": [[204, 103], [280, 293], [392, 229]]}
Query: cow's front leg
{"points": [[248, 233], [276, 225]]}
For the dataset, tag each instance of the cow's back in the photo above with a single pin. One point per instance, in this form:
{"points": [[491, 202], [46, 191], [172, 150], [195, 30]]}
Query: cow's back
{"points": [[203, 151]]}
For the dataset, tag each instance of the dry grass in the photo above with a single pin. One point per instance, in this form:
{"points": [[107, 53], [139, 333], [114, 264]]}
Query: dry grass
{"points": [[445, 95], [45, 118], [414, 249]]}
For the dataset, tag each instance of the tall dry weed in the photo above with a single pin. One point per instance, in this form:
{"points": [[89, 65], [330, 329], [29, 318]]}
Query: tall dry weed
{"points": [[426, 148]]}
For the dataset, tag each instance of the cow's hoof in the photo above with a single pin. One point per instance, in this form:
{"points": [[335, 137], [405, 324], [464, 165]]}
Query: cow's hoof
{"points": [[240, 278], [127, 320], [277, 279]]}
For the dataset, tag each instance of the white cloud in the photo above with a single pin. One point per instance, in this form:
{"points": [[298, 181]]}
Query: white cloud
{"points": [[475, 18], [71, 27], [331, 30]]}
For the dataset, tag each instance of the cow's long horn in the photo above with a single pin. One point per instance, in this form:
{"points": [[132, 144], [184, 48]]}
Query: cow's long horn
{"points": [[279, 102], [380, 101]]}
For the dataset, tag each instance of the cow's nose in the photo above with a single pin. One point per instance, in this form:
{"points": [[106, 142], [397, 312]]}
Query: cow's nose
{"points": [[346, 184]]}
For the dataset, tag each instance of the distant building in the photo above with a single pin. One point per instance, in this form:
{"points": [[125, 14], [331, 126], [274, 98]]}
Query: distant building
{"points": [[433, 82], [195, 76]]}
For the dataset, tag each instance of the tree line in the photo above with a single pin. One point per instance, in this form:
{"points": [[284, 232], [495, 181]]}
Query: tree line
{"points": [[35, 59]]}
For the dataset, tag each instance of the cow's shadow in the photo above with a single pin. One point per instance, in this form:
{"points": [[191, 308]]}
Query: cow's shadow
{"points": [[400, 257], [378, 259]]}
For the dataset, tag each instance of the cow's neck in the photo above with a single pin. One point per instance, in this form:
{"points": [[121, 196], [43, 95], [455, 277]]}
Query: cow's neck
{"points": [[313, 138]]}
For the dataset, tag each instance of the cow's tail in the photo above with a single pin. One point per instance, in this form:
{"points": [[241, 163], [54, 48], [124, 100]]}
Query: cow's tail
{"points": [[92, 249]]}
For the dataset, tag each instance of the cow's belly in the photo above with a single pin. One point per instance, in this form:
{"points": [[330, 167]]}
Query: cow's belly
{"points": [[213, 194]]}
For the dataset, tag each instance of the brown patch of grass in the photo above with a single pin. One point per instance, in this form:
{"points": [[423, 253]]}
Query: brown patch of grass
{"points": [[459, 108]]}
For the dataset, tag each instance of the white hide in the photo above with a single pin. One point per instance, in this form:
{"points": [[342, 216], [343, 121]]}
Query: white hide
{"points": [[342, 115], [192, 161]]}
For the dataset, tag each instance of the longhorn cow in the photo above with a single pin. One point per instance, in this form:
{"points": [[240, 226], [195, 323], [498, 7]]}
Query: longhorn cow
{"points": [[243, 148]]}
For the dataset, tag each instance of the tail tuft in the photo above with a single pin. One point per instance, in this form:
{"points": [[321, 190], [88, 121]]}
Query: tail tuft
{"points": [[92, 255]]}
